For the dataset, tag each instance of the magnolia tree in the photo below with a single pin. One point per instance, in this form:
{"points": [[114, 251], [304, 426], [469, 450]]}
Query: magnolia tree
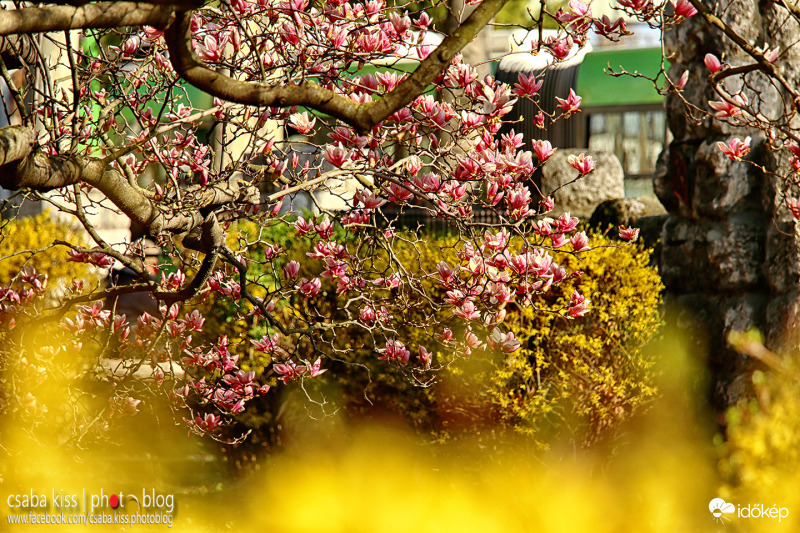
{"points": [[101, 120]]}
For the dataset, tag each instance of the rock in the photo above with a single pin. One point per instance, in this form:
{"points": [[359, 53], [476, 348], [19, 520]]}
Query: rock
{"points": [[702, 255], [624, 211], [721, 186], [581, 196], [704, 320], [783, 314], [650, 233], [783, 257], [647, 214]]}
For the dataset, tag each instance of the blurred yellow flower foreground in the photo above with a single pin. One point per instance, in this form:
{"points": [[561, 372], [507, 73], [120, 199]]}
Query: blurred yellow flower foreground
{"points": [[336, 476]]}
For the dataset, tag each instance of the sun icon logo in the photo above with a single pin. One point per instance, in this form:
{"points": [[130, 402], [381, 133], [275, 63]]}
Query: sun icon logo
{"points": [[719, 508]]}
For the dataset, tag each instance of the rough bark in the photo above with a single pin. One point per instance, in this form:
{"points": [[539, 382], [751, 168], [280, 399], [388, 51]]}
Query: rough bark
{"points": [[99, 15]]}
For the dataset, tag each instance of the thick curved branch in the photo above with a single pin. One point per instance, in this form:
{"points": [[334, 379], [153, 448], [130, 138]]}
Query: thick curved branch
{"points": [[361, 116], [22, 166], [435, 63], [16, 142], [99, 15], [210, 238], [189, 67]]}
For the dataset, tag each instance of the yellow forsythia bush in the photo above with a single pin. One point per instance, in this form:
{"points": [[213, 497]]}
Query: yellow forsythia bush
{"points": [[37, 233], [578, 378], [760, 459], [588, 374]]}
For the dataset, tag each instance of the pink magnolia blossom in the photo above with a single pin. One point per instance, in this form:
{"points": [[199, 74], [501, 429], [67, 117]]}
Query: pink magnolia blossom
{"points": [[559, 48], [771, 54], [735, 148], [96, 313], [628, 234], [315, 369], [505, 342], [579, 241], [681, 83], [267, 344], [683, 8], [209, 422], [582, 163], [131, 45], [424, 357], [291, 269], [95, 258], [578, 305], [38, 282], [445, 272], [606, 28], [424, 21], [636, 5], [557, 240], [543, 150], [567, 223], [120, 325], [392, 282], [413, 165], [369, 199], [302, 123], [302, 226], [712, 63], [527, 85], [152, 33], [210, 49], [174, 280], [467, 311], [398, 194], [471, 340], [794, 207], [325, 228], [570, 105], [194, 321], [579, 8], [310, 288], [389, 80], [428, 182], [289, 370], [499, 293], [395, 351], [518, 200], [171, 312], [724, 108], [367, 315], [336, 155], [496, 241]]}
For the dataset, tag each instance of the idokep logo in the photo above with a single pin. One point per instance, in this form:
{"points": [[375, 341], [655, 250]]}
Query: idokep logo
{"points": [[719, 508]]}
